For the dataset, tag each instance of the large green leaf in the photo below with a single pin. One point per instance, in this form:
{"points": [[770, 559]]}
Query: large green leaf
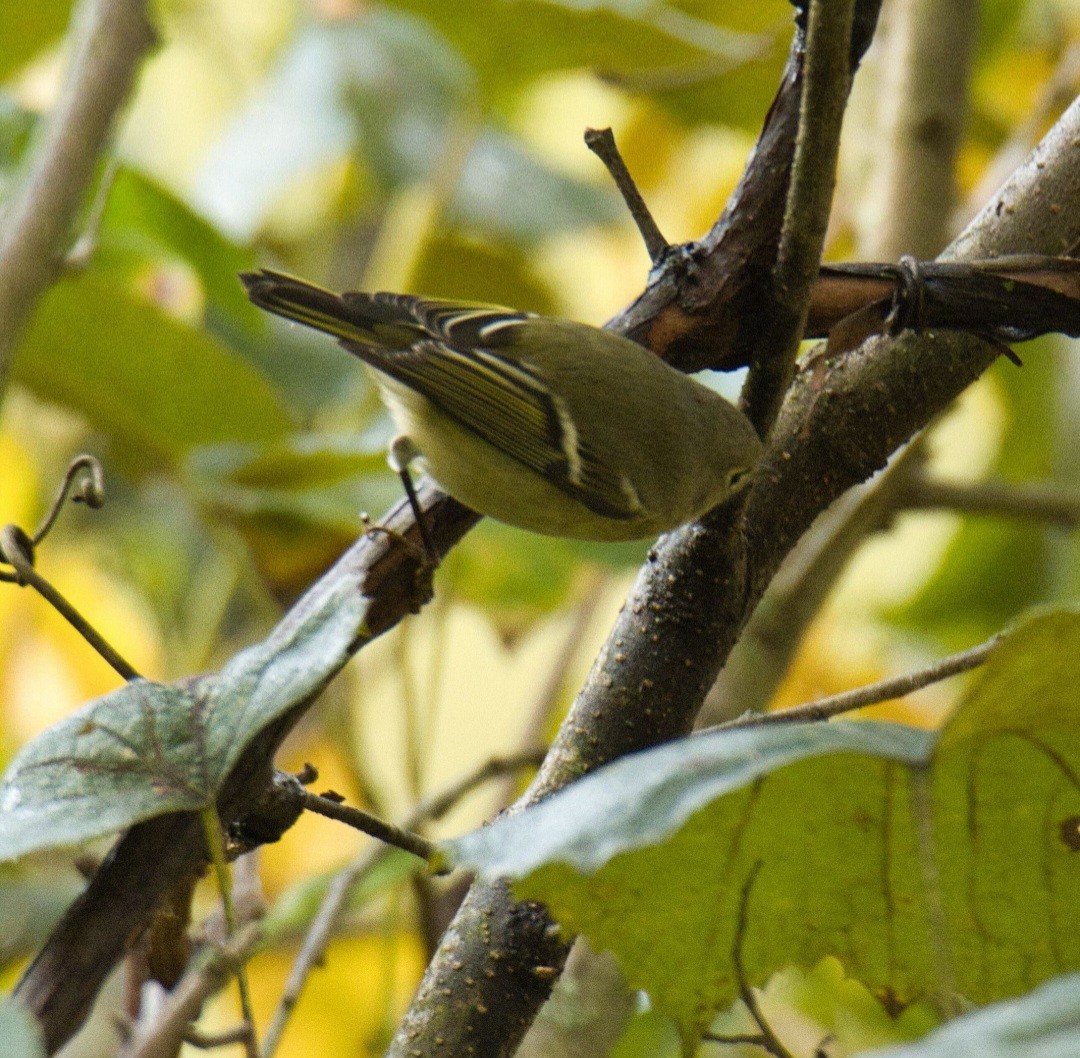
{"points": [[510, 44], [857, 838], [154, 385], [298, 501], [1044, 1024], [152, 748], [144, 219]]}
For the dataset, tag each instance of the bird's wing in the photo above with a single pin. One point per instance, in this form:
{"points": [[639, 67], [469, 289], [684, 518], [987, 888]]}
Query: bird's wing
{"points": [[503, 401], [459, 356]]}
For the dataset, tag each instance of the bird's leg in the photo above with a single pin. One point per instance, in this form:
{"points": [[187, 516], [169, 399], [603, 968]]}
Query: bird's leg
{"points": [[401, 453]]}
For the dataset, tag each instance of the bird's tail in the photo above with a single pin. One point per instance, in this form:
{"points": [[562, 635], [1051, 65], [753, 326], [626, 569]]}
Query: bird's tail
{"points": [[368, 319]]}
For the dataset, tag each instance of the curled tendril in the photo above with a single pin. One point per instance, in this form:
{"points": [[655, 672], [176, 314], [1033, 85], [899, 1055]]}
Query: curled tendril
{"points": [[83, 483], [17, 551]]}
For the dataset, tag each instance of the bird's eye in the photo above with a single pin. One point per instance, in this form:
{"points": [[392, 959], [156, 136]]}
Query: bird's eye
{"points": [[737, 477]]}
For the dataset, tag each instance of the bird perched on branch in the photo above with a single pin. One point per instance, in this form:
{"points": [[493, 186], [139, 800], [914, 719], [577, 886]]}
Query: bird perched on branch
{"points": [[549, 425]]}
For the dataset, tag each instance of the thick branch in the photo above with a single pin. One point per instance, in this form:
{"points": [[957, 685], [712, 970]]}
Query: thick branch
{"points": [[692, 597], [113, 40]]}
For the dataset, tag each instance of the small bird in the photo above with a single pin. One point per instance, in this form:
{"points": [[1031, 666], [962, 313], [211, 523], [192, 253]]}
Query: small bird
{"points": [[550, 425]]}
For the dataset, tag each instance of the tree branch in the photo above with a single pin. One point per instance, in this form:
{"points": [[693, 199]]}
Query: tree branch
{"points": [[692, 597], [827, 82], [111, 43], [1038, 501]]}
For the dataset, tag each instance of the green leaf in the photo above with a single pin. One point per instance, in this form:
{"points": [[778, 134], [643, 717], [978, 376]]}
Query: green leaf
{"points": [[650, 856], [510, 44], [150, 748], [649, 1035], [26, 29], [31, 903], [145, 220], [297, 501], [459, 268], [1044, 1024], [156, 386], [518, 577], [19, 1031]]}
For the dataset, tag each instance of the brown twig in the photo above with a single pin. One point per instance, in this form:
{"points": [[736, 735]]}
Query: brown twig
{"points": [[1039, 501], [373, 826], [827, 80], [171, 1025], [329, 913], [17, 550], [602, 143], [110, 44], [871, 693]]}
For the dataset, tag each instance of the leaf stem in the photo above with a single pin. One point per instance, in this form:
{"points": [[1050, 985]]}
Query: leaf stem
{"points": [[216, 847]]}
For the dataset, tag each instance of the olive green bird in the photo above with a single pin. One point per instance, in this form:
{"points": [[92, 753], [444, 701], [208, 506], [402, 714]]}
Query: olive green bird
{"points": [[549, 425]]}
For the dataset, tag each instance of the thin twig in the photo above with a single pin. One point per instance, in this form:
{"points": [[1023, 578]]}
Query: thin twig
{"points": [[763, 655], [17, 551], [211, 1041], [827, 78], [109, 46], [437, 806], [14, 552], [602, 143], [540, 713], [380, 829], [1039, 501], [737, 1038], [82, 250], [872, 693], [209, 974], [769, 1040], [326, 919], [91, 491]]}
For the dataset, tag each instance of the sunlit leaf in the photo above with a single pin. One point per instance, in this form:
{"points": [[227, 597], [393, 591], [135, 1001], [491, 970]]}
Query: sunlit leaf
{"points": [[458, 268], [996, 567], [651, 856], [298, 501], [509, 44], [384, 86]]}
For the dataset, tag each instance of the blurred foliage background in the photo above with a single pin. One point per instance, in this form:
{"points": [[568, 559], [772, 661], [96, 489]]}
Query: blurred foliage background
{"points": [[432, 147]]}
